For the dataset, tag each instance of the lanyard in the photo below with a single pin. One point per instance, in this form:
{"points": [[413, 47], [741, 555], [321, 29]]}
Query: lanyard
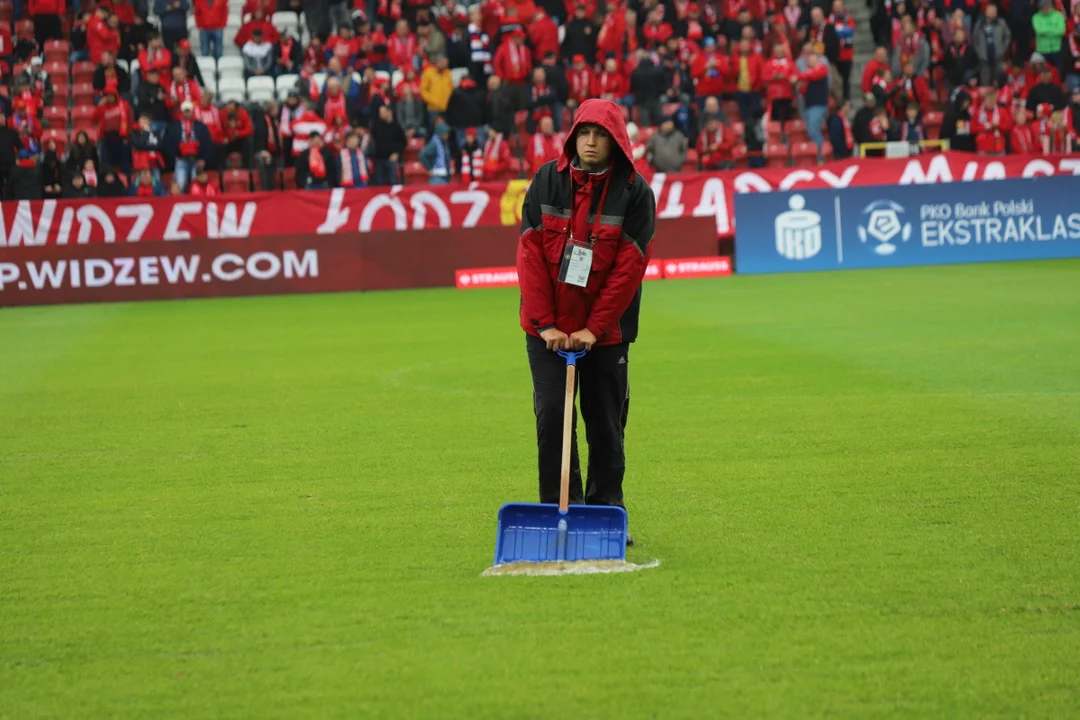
{"points": [[599, 209]]}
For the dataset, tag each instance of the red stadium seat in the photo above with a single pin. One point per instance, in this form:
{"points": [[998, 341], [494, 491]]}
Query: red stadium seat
{"points": [[517, 169], [213, 177], [83, 94], [24, 30], [645, 134], [826, 150], [57, 51], [796, 131], [82, 117], [804, 154], [60, 136], [776, 155], [413, 148], [933, 120], [61, 93], [415, 174], [288, 178], [691, 162], [58, 72], [56, 117], [83, 72], [774, 131], [236, 181]]}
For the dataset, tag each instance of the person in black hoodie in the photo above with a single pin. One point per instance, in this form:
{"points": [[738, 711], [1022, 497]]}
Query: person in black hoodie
{"points": [[647, 87], [956, 125], [80, 151], [110, 186], [580, 37], [150, 100], [9, 151], [319, 172], [77, 189], [959, 60], [467, 109], [267, 139], [389, 139], [109, 70], [52, 171], [1045, 91], [860, 124]]}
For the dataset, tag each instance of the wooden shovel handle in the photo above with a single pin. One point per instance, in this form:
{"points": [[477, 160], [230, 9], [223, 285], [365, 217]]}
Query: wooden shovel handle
{"points": [[567, 437]]}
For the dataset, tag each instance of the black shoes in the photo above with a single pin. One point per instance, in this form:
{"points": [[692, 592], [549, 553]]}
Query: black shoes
{"points": [[629, 540]]}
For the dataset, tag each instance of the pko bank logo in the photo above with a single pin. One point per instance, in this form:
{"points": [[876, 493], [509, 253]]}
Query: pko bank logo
{"points": [[798, 231], [883, 222]]}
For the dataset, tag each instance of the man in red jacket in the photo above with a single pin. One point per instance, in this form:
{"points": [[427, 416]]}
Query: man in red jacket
{"points": [[211, 16], [238, 129], [778, 75], [581, 82], [546, 144], [112, 116], [586, 235], [258, 20], [513, 65], [544, 35], [100, 37], [714, 145], [155, 55], [710, 69]]}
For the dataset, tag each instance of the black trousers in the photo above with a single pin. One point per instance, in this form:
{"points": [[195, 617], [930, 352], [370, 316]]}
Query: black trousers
{"points": [[47, 27], [844, 68], [604, 396]]}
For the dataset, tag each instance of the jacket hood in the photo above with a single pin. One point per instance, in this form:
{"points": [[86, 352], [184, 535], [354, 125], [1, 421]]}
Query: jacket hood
{"points": [[607, 115]]}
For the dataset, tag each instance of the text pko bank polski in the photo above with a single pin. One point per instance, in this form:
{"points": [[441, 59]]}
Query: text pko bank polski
{"points": [[1002, 221]]}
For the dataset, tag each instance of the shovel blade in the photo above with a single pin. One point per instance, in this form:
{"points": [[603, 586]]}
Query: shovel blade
{"points": [[529, 532]]}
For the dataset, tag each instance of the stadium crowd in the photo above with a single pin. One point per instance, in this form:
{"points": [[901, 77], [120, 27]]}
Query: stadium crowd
{"points": [[129, 97]]}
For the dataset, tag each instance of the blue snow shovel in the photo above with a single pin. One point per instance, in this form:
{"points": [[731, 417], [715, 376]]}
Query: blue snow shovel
{"points": [[542, 532]]}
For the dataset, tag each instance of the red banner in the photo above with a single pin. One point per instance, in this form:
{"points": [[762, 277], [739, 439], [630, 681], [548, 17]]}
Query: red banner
{"points": [[62, 223]]}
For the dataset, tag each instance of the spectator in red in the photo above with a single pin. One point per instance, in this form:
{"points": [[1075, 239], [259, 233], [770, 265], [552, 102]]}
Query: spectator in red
{"points": [[183, 58], [112, 116], [546, 145], [201, 185], [749, 71], [307, 84], [1023, 139], [655, 31], [267, 7], [710, 70], [100, 37], [513, 64], [409, 80], [714, 145], [543, 35], [46, 16], [211, 16], [610, 83], [238, 131], [208, 115], [315, 166], [155, 55], [344, 46], [496, 156], [779, 74], [24, 118], [335, 134], [582, 83], [288, 55], [990, 115], [258, 20], [403, 48], [611, 39], [909, 88], [303, 125], [880, 61], [181, 89], [314, 56]]}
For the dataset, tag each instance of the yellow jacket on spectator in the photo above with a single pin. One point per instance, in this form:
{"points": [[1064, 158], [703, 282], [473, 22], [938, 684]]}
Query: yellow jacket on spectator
{"points": [[435, 88]]}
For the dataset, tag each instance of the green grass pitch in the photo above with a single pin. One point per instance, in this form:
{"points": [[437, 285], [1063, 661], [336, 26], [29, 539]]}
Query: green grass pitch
{"points": [[863, 487]]}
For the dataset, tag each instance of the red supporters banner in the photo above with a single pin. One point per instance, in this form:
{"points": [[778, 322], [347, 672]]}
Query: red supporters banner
{"points": [[290, 214]]}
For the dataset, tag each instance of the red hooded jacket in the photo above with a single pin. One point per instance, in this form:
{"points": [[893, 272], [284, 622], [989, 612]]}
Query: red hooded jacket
{"points": [[558, 205], [211, 17], [544, 36]]}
